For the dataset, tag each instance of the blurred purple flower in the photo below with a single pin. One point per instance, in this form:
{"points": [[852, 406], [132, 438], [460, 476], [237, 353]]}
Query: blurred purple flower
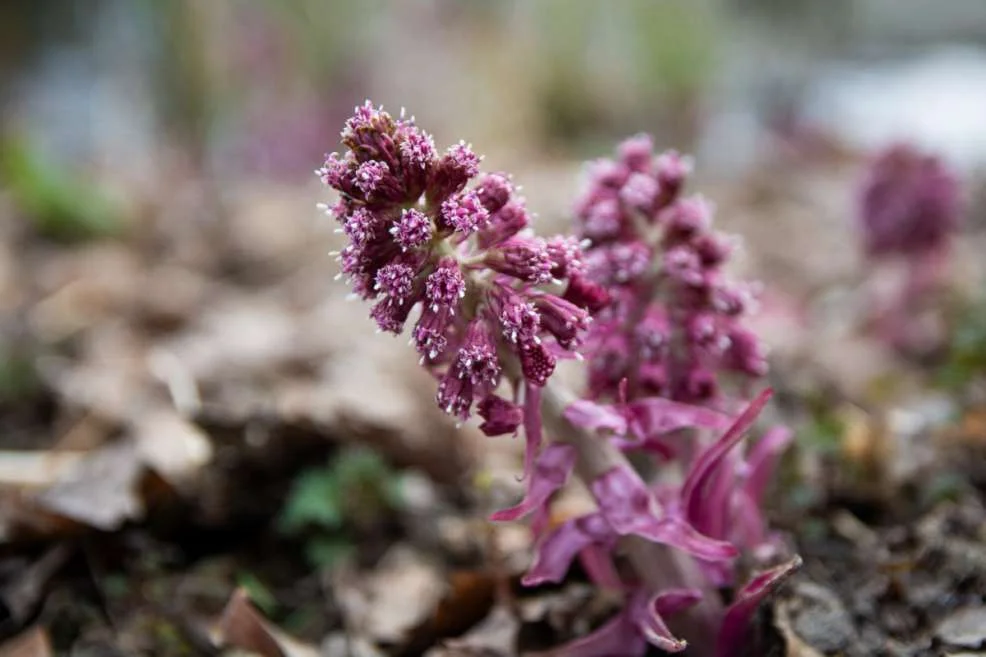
{"points": [[908, 203], [656, 254]]}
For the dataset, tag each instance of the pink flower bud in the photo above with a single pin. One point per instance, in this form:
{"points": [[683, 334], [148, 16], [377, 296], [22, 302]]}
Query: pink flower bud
{"points": [[499, 416], [637, 152], [527, 259], [464, 213], [494, 191], [412, 230]]}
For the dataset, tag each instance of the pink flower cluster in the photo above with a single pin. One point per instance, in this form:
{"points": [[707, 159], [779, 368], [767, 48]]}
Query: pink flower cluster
{"points": [[425, 231], [655, 358], [675, 326]]}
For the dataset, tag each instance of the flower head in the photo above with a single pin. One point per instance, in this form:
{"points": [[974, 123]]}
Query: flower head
{"points": [[412, 230], [657, 256], [644, 296], [425, 231]]}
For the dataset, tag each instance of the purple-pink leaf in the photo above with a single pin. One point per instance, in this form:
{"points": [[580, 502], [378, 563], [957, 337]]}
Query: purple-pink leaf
{"points": [[653, 445], [551, 471], [616, 637], [630, 508], [596, 417], [715, 516], [679, 534], [672, 601], [554, 554], [736, 622], [703, 471], [623, 499], [656, 415], [597, 562], [749, 528], [646, 617], [628, 633]]}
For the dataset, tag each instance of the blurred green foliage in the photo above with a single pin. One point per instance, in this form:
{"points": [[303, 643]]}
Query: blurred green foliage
{"points": [[660, 54], [355, 490], [18, 376], [823, 431], [965, 357], [58, 203], [942, 487], [259, 594], [675, 43]]}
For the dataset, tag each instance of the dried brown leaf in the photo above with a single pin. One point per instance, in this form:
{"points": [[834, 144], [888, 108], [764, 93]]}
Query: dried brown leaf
{"points": [[103, 491], [401, 594], [469, 598], [495, 636], [33, 642], [241, 626]]}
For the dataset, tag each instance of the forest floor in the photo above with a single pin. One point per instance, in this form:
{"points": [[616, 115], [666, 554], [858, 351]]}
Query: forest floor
{"points": [[204, 450]]}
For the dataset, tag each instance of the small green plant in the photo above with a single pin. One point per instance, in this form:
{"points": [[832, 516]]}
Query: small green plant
{"points": [[59, 204], [18, 377], [259, 593], [965, 357], [354, 492]]}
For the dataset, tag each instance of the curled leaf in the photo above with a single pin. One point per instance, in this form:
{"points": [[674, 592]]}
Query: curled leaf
{"points": [[694, 490], [554, 554], [736, 621], [551, 471], [596, 417]]}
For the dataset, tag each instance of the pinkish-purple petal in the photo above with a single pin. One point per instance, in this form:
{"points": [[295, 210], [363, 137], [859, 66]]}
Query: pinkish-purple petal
{"points": [[646, 617], [554, 553], [624, 499], [714, 515], [597, 561], [618, 637], [703, 470], [596, 417], [672, 601], [551, 470], [677, 533], [631, 508], [736, 621], [654, 445], [655, 416]]}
